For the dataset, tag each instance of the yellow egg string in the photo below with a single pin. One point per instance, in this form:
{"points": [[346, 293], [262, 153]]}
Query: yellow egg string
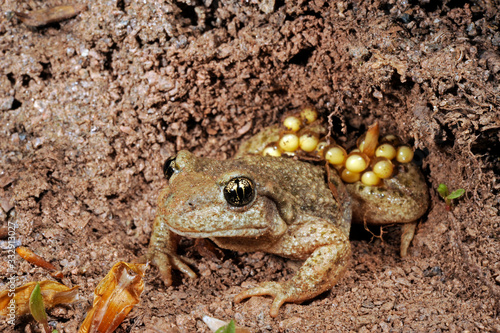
{"points": [[371, 161]]}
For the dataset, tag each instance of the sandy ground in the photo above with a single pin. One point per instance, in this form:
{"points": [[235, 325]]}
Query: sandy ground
{"points": [[92, 106]]}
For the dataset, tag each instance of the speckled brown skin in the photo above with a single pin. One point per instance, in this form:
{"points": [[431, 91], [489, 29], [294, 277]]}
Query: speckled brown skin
{"points": [[294, 214], [403, 198]]}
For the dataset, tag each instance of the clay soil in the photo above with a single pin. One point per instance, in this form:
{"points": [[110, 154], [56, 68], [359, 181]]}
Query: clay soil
{"points": [[91, 107]]}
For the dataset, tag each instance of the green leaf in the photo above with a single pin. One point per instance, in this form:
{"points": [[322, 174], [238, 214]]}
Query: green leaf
{"points": [[443, 190], [37, 308], [456, 194], [229, 328]]}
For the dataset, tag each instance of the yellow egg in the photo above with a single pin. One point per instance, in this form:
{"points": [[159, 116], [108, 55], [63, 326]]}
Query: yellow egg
{"points": [[392, 139], [404, 154], [271, 150], [292, 123], [308, 142], [309, 114], [383, 168], [356, 162], [370, 178], [289, 142], [386, 150], [336, 155], [321, 147], [349, 176]]}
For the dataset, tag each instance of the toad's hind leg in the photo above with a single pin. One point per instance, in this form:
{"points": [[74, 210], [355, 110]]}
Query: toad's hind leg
{"points": [[319, 273], [408, 232]]}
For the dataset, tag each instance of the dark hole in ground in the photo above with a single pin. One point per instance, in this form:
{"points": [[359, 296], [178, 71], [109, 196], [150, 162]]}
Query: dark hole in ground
{"points": [[487, 146], [428, 5], [445, 138], [25, 80], [120, 4], [457, 3], [16, 104], [11, 78], [397, 84], [188, 12], [302, 57], [390, 233], [46, 73]]}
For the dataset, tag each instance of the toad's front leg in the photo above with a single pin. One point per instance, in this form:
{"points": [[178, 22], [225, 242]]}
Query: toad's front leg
{"points": [[162, 252], [328, 249]]}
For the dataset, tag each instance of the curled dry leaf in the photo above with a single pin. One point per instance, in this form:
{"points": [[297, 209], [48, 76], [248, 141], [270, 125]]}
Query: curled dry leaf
{"points": [[53, 293], [114, 297], [371, 139], [35, 259], [39, 18]]}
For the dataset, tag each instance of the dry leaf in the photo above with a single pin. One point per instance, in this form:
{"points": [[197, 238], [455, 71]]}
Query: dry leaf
{"points": [[53, 293], [38, 18], [114, 297], [371, 140], [35, 259]]}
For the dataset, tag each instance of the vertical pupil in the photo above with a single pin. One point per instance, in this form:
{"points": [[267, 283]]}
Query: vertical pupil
{"points": [[240, 190]]}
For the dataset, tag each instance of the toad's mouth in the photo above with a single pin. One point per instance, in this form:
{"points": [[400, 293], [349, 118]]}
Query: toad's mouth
{"points": [[250, 232], [258, 220]]}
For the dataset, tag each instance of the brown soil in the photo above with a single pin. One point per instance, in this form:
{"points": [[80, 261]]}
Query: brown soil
{"points": [[91, 107]]}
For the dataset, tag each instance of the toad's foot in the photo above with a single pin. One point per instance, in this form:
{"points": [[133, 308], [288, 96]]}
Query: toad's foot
{"points": [[162, 253], [282, 292], [165, 262]]}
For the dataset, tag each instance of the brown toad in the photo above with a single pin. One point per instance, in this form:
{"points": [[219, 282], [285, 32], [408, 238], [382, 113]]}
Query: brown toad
{"points": [[275, 205]]}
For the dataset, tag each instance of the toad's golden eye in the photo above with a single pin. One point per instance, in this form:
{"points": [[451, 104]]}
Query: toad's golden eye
{"points": [[239, 191], [169, 167]]}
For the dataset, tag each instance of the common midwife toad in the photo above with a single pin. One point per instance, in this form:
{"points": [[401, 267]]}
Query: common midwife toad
{"points": [[277, 205]]}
